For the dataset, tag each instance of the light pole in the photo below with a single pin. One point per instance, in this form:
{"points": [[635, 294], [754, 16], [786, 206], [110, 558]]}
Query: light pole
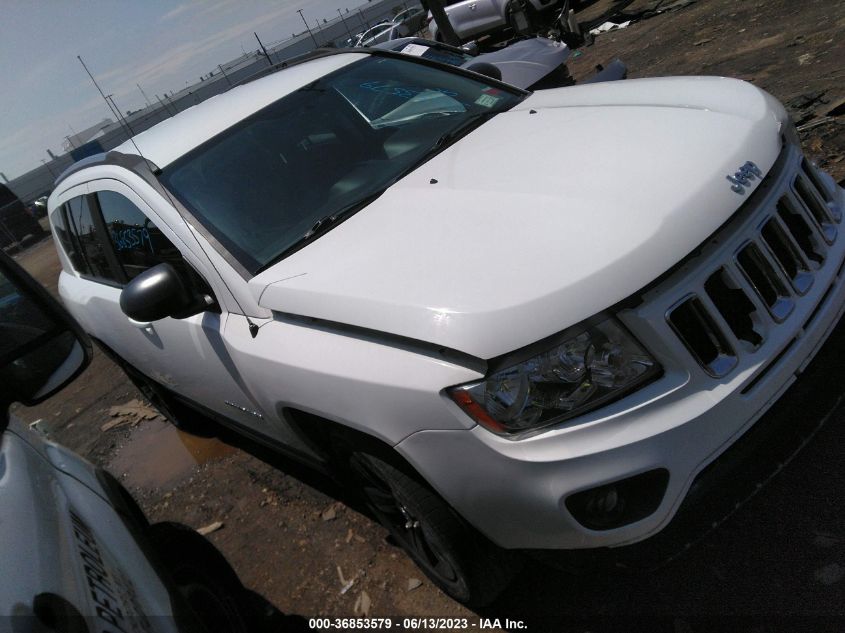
{"points": [[47, 165], [220, 66], [345, 25], [144, 94], [305, 22]]}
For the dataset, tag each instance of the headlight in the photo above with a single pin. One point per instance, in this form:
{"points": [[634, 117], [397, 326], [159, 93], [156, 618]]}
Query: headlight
{"points": [[601, 363]]}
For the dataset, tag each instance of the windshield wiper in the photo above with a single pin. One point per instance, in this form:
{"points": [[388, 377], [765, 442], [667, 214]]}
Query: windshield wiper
{"points": [[327, 222], [320, 226], [323, 225], [460, 131]]}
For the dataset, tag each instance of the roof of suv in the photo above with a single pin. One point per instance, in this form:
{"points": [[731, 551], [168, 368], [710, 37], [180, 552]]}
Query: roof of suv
{"points": [[167, 141]]}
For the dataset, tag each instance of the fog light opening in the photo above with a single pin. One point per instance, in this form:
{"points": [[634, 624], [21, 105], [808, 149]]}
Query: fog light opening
{"points": [[604, 505], [619, 503]]}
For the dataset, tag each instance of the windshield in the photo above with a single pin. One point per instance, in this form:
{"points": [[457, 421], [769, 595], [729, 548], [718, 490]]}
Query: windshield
{"points": [[260, 186]]}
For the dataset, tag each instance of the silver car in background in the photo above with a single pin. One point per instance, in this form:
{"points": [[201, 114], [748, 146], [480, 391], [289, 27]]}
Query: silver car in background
{"points": [[404, 23], [534, 63], [531, 63], [473, 18]]}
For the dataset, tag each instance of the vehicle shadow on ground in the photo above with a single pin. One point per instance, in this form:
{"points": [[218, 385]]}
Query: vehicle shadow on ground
{"points": [[775, 563]]}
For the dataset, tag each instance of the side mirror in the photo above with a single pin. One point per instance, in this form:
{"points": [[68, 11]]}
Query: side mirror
{"points": [[157, 293], [42, 347]]}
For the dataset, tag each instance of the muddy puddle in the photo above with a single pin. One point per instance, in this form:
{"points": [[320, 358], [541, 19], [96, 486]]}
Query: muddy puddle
{"points": [[158, 455]]}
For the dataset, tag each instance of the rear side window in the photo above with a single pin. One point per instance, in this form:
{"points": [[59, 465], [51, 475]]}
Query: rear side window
{"points": [[69, 243], [138, 243], [92, 247]]}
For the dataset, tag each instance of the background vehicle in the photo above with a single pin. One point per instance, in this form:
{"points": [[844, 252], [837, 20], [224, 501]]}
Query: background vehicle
{"points": [[75, 549], [376, 34], [533, 63], [473, 18], [39, 207], [16, 223], [412, 19], [311, 265], [523, 64]]}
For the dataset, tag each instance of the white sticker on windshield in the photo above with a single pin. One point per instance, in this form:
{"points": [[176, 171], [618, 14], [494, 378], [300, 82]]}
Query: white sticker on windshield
{"points": [[487, 101], [418, 50]]}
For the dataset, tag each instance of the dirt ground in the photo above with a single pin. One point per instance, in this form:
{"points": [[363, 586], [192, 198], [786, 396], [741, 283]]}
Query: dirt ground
{"points": [[780, 558]]}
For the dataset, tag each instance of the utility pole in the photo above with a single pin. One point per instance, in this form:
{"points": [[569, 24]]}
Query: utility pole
{"points": [[120, 117], [146, 98], [223, 72], [164, 105], [263, 49], [47, 165], [96, 85], [443, 25], [305, 22], [346, 26], [110, 104]]}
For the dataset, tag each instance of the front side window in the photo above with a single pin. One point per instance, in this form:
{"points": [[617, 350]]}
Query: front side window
{"points": [[138, 243], [107, 237], [266, 185]]}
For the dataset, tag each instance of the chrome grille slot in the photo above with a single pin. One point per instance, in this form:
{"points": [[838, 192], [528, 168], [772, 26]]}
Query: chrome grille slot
{"points": [[703, 337], [736, 308], [761, 274], [813, 176], [788, 255], [812, 200], [801, 232], [768, 273]]}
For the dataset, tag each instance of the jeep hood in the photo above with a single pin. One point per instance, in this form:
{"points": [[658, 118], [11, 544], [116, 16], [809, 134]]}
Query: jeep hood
{"points": [[542, 217]]}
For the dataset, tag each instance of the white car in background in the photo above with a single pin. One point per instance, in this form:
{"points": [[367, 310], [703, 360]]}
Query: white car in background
{"points": [[511, 320], [377, 34]]}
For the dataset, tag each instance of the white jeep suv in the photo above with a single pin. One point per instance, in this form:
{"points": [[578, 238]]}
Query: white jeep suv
{"points": [[402, 271]]}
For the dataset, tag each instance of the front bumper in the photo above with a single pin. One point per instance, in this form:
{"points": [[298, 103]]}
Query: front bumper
{"points": [[515, 492]]}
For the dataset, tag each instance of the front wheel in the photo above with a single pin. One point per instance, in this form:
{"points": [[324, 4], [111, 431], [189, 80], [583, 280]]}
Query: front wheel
{"points": [[458, 559]]}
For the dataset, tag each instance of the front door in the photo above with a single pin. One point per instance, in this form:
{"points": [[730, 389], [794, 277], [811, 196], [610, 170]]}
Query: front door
{"points": [[115, 236]]}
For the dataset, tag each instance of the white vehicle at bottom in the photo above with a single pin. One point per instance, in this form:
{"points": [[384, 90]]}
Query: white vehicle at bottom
{"points": [[76, 552], [402, 272]]}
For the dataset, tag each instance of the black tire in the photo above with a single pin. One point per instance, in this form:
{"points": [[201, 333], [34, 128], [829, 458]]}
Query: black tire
{"points": [[208, 585], [458, 559]]}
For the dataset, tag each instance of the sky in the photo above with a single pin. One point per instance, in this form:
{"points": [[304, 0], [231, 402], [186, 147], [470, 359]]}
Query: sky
{"points": [[163, 46]]}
